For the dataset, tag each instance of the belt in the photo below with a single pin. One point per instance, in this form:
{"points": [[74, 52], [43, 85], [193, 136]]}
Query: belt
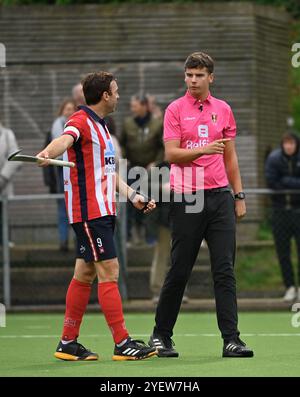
{"points": [[218, 190], [207, 191]]}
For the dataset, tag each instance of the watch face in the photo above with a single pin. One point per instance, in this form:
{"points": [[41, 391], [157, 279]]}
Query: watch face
{"points": [[240, 195]]}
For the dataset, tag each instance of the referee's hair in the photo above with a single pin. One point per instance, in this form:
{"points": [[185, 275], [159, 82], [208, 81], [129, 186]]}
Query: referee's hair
{"points": [[199, 60], [94, 85]]}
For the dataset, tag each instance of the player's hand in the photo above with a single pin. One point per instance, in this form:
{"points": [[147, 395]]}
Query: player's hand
{"points": [[139, 202], [44, 155], [240, 209], [216, 147]]}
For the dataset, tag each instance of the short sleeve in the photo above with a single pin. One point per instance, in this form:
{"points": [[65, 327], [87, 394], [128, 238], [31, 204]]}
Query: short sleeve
{"points": [[230, 127], [72, 127], [172, 128]]}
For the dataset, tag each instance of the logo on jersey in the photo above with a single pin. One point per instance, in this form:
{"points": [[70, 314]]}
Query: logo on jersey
{"points": [[214, 117], [82, 249], [202, 131], [100, 245], [109, 159]]}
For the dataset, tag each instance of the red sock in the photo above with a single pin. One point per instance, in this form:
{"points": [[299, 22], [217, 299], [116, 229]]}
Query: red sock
{"points": [[76, 302], [111, 305]]}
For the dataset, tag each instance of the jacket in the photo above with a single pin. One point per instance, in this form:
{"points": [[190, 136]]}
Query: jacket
{"points": [[142, 145], [8, 145], [283, 172]]}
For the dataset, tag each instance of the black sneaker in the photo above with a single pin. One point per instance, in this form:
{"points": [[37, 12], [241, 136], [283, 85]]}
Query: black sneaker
{"points": [[74, 351], [133, 350], [236, 348], [164, 346]]}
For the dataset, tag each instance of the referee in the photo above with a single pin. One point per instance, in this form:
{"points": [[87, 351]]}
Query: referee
{"points": [[199, 132]]}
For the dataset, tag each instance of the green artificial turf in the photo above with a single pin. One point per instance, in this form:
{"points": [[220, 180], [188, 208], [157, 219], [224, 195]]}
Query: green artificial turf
{"points": [[28, 342]]}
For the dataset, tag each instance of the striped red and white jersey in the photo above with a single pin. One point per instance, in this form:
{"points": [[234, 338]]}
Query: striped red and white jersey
{"points": [[90, 187]]}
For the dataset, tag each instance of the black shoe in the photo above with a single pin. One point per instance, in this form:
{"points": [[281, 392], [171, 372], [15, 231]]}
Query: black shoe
{"points": [[133, 350], [236, 348], [164, 346], [74, 351]]}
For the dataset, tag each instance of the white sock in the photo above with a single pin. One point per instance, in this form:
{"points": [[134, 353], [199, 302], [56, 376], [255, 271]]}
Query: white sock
{"points": [[122, 343]]}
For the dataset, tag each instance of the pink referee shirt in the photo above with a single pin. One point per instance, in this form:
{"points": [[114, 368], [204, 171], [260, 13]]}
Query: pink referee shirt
{"points": [[184, 121]]}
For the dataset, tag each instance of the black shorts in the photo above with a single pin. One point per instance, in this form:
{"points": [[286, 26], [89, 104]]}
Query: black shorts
{"points": [[95, 239]]}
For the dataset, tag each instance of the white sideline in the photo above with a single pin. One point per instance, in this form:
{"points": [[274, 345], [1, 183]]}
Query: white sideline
{"points": [[147, 335]]}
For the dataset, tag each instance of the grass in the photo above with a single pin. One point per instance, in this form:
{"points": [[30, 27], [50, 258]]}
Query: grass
{"points": [[29, 340], [258, 271]]}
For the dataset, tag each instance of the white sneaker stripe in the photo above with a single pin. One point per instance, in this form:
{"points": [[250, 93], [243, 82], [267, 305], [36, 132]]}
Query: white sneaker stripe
{"points": [[136, 351], [126, 351]]}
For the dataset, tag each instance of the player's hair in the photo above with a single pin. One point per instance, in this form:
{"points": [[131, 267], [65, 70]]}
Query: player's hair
{"points": [[199, 60], [94, 85]]}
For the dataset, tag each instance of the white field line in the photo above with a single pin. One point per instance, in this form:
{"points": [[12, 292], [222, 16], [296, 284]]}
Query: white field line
{"points": [[147, 335]]}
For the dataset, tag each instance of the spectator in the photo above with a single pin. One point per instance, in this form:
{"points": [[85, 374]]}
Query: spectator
{"points": [[161, 258], [283, 172], [78, 95], [120, 246], [141, 142], [8, 145], [154, 108], [67, 108]]}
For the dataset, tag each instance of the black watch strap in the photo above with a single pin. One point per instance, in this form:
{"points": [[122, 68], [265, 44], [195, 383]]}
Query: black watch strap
{"points": [[240, 196]]}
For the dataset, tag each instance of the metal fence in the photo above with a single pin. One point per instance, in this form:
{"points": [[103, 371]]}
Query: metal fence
{"points": [[267, 221]]}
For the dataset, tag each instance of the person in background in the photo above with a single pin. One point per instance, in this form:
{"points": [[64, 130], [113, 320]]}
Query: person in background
{"points": [[119, 241], [142, 146], [154, 108], [282, 170], [8, 145], [78, 95], [161, 258], [67, 108]]}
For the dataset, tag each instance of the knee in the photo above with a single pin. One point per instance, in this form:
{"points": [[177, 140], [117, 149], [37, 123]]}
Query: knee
{"points": [[108, 271], [85, 276]]}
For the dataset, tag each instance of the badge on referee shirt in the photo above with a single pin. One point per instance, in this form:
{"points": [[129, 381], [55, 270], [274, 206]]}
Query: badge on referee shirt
{"points": [[214, 117]]}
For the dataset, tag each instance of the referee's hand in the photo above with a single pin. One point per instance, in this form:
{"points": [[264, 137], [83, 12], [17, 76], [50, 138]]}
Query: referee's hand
{"points": [[240, 209], [215, 147]]}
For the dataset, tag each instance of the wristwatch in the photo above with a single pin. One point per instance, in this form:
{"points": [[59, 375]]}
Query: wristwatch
{"points": [[240, 196]]}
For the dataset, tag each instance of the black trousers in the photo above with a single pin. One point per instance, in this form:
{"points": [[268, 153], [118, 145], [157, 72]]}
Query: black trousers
{"points": [[215, 223], [285, 226]]}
